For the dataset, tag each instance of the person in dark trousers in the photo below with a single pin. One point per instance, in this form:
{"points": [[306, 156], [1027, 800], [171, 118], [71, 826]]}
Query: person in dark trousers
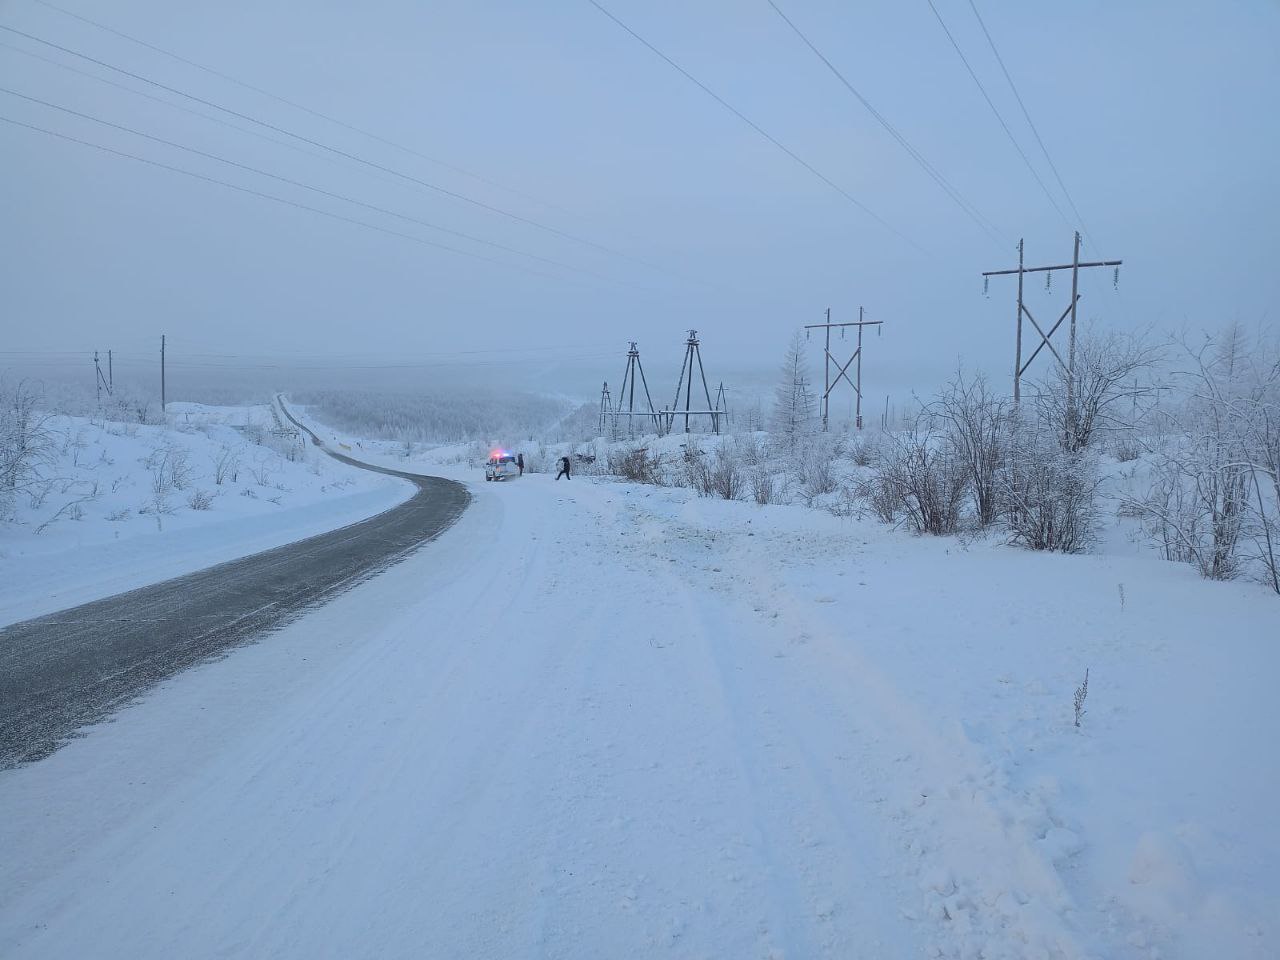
{"points": [[564, 469], [520, 463]]}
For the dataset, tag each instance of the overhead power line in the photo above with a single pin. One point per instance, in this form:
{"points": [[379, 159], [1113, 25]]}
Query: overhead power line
{"points": [[221, 75], [968, 208], [323, 146], [280, 200], [305, 186], [297, 148], [1025, 113], [990, 103], [758, 129]]}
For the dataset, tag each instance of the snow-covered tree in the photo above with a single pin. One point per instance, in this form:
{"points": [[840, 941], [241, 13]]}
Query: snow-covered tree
{"points": [[1214, 487], [793, 403], [1106, 368], [26, 445]]}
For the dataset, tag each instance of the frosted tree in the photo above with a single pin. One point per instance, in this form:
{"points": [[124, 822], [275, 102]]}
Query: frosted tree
{"points": [[1214, 487], [793, 403]]}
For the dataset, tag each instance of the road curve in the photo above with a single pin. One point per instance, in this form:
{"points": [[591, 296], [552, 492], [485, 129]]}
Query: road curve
{"points": [[67, 669]]}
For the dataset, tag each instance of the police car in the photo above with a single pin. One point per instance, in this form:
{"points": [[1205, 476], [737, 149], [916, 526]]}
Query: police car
{"points": [[501, 465]]}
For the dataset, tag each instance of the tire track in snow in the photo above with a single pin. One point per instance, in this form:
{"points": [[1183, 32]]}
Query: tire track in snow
{"points": [[967, 913]]}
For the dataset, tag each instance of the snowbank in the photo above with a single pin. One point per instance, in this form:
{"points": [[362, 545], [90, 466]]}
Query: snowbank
{"points": [[127, 504]]}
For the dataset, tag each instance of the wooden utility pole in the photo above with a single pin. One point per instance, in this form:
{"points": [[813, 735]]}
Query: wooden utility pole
{"points": [[842, 371], [1068, 366], [606, 407], [628, 393], [692, 354], [162, 397], [102, 381], [111, 375]]}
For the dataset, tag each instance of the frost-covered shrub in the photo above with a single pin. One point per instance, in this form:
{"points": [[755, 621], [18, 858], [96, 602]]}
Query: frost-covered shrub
{"points": [[863, 449], [763, 487], [26, 444], [749, 450], [226, 462], [976, 427], [815, 470], [636, 464], [1126, 447], [919, 479], [1090, 403], [1215, 476], [1048, 495], [200, 500], [727, 480]]}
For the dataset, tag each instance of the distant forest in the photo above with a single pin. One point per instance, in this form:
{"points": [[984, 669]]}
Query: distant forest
{"points": [[447, 416]]}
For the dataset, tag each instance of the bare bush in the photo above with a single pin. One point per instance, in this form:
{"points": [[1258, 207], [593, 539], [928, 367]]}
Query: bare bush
{"points": [[919, 479], [262, 469], [1048, 495], [200, 500], [71, 510], [976, 426], [695, 472], [815, 470], [636, 464], [1082, 694], [763, 488], [179, 467], [727, 481], [1126, 447], [1106, 370], [26, 444], [749, 450], [1207, 499], [863, 450], [226, 463]]}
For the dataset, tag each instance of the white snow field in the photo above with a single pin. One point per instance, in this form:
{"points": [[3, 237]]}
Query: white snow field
{"points": [[600, 720], [115, 517]]}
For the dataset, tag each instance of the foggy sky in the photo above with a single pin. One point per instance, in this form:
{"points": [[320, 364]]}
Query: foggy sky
{"points": [[1160, 116]]}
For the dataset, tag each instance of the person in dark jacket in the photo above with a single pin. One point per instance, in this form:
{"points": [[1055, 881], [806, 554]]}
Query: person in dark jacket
{"points": [[564, 469], [520, 463]]}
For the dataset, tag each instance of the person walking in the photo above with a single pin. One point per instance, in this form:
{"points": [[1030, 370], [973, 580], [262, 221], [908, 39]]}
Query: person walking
{"points": [[520, 463], [564, 469]]}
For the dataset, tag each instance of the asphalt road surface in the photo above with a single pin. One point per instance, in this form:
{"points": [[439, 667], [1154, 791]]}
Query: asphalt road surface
{"points": [[64, 670]]}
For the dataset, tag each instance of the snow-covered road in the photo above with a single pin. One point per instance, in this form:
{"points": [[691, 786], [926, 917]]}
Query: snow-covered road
{"points": [[595, 720]]}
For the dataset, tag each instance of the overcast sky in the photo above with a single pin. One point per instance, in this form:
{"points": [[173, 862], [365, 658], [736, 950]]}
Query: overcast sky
{"points": [[660, 209]]}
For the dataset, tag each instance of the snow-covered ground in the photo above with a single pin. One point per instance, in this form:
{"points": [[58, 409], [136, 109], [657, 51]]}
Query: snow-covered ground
{"points": [[117, 507], [596, 719]]}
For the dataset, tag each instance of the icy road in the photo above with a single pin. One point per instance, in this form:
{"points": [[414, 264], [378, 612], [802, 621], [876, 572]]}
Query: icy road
{"points": [[597, 720], [61, 671]]}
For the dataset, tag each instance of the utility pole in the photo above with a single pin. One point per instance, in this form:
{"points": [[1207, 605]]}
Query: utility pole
{"points": [[101, 381], [692, 353], [628, 391], [858, 400], [606, 407], [1068, 366], [826, 371], [162, 397], [842, 370], [111, 376]]}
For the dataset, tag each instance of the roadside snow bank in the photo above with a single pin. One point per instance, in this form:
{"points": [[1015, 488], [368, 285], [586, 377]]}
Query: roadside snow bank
{"points": [[123, 505]]}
